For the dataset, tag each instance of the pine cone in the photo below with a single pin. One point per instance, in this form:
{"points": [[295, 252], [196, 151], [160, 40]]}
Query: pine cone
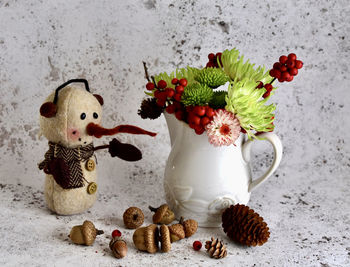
{"points": [[245, 226], [216, 248], [149, 109]]}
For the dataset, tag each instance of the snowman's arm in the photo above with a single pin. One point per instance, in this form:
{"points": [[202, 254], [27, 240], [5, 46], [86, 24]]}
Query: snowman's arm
{"points": [[124, 151], [48, 156]]}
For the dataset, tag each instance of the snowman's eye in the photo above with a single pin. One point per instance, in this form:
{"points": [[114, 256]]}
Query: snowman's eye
{"points": [[95, 115], [82, 116]]}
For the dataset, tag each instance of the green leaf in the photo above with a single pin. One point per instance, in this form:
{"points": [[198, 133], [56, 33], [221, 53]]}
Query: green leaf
{"points": [[218, 100]]}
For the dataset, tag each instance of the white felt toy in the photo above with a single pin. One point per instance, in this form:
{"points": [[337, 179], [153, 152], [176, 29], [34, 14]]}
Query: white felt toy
{"points": [[70, 118]]}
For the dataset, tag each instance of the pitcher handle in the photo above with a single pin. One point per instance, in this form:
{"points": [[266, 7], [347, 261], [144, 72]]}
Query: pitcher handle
{"points": [[277, 147]]}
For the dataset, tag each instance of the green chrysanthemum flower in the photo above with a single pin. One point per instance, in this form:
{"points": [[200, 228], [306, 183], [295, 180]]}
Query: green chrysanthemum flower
{"points": [[188, 73], [213, 77], [246, 102], [234, 66], [197, 94], [218, 100]]}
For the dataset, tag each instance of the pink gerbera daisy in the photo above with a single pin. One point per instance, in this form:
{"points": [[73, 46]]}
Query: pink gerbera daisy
{"points": [[224, 129]]}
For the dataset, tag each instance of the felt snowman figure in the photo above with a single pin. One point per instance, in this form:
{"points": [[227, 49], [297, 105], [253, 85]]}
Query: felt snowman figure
{"points": [[70, 118]]}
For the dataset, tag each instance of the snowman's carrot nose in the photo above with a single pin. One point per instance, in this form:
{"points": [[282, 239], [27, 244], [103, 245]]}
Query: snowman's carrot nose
{"points": [[98, 131]]}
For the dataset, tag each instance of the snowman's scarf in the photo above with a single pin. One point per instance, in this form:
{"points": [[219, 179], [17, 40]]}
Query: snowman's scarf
{"points": [[64, 164]]}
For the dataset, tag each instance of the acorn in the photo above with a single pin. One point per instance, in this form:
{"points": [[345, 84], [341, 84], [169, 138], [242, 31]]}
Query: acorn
{"points": [[162, 215], [165, 239], [84, 234], [133, 218], [177, 232], [118, 247], [190, 226], [146, 238]]}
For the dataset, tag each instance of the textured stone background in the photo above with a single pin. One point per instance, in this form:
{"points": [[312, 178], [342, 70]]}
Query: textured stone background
{"points": [[44, 43]]}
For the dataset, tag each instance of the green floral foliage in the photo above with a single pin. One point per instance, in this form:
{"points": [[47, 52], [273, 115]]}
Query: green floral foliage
{"points": [[213, 77], [188, 73], [234, 66], [218, 100], [246, 102], [197, 94]]}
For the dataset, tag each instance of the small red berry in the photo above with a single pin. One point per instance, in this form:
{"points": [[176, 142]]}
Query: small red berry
{"points": [[170, 109], [199, 129], [199, 110], [283, 68], [298, 64], [281, 80], [261, 85], [183, 82], [179, 115], [160, 102], [292, 56], [290, 63], [177, 105], [266, 94], [177, 97], [150, 86], [211, 57], [275, 73], [170, 92], [192, 125], [116, 232], [179, 89], [197, 245], [277, 65], [218, 55], [195, 119], [209, 112], [290, 78], [204, 121], [162, 84], [210, 65], [174, 81], [156, 93], [283, 59], [268, 87], [293, 71], [162, 96], [285, 75]]}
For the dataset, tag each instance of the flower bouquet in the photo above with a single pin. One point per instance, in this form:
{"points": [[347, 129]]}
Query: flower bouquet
{"points": [[223, 99]]}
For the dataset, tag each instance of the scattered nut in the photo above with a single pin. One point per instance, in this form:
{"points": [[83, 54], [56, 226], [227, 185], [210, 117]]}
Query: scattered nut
{"points": [[133, 218], [146, 238], [84, 234], [163, 214], [118, 247], [165, 238]]}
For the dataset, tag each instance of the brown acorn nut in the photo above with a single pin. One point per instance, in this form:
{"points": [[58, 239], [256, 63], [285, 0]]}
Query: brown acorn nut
{"points": [[163, 214], [133, 218], [84, 234], [190, 226], [118, 247], [177, 232], [146, 238]]}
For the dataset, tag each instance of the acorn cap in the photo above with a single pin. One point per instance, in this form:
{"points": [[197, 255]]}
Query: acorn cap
{"points": [[151, 238], [177, 232], [159, 214], [133, 218], [146, 238], [190, 227], [89, 232], [165, 240]]}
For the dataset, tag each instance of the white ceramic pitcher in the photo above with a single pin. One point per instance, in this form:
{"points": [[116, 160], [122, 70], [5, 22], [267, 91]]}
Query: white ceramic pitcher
{"points": [[201, 180]]}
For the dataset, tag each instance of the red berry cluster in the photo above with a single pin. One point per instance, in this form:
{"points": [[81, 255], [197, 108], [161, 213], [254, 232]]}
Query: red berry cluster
{"points": [[286, 68], [213, 60], [268, 88], [198, 117], [164, 93]]}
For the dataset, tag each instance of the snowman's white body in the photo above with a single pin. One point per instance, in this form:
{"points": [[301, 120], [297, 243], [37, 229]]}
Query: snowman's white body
{"points": [[69, 130]]}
